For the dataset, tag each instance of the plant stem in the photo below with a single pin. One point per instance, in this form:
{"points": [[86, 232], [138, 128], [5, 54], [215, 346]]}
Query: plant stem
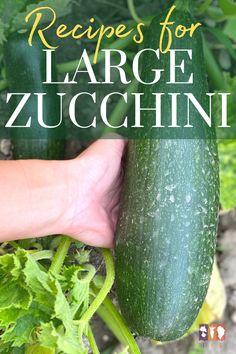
{"points": [[132, 11], [110, 276], [39, 255], [60, 255], [92, 341], [110, 350], [3, 85], [121, 108], [214, 72], [114, 321]]}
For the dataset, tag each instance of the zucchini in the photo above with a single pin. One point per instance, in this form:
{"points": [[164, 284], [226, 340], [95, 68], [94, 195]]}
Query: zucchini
{"points": [[25, 73], [166, 233]]}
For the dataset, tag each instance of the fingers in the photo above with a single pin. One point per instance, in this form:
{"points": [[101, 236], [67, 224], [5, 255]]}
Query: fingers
{"points": [[115, 215], [102, 161], [107, 147], [96, 228], [96, 239]]}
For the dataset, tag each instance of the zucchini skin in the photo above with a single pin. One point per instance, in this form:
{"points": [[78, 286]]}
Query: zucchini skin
{"points": [[25, 73], [166, 233]]}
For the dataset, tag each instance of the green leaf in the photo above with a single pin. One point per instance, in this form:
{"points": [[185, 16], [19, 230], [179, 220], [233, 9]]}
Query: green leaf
{"points": [[40, 283], [10, 316], [12, 14], [3, 28], [40, 308], [224, 39], [17, 350], [7, 349], [68, 343], [12, 294], [9, 9], [10, 265], [36, 279], [62, 309], [78, 282], [203, 6], [38, 349], [15, 321], [4, 348], [227, 147], [196, 349], [228, 7], [48, 335], [45, 286], [230, 28], [61, 7], [227, 156], [21, 332], [230, 87], [71, 344], [82, 256]]}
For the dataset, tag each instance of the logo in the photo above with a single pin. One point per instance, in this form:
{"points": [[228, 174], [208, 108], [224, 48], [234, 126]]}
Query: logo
{"points": [[212, 332]]}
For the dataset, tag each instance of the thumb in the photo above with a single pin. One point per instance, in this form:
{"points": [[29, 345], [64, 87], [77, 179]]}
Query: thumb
{"points": [[108, 147]]}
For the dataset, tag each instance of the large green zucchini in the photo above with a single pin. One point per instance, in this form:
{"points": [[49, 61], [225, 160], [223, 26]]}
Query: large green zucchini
{"points": [[25, 72], [166, 233]]}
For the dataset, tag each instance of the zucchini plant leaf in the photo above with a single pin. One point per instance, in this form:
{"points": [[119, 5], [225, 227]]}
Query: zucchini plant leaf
{"points": [[13, 294], [12, 14], [61, 7], [230, 28], [48, 335], [11, 315], [38, 349], [8, 10], [7, 349], [20, 333], [228, 7], [67, 342], [78, 287], [40, 308]]}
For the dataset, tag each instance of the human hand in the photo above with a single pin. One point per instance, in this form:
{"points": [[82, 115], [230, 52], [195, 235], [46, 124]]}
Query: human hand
{"points": [[94, 193], [78, 197]]}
